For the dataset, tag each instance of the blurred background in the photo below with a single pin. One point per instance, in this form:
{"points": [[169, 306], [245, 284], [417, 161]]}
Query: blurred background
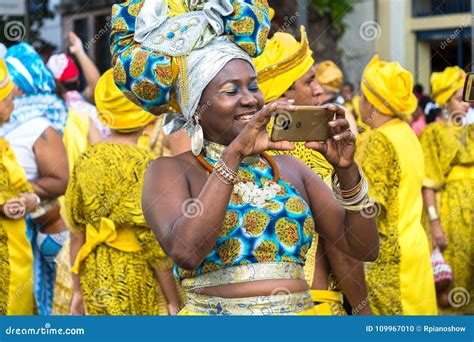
{"points": [[423, 35]]}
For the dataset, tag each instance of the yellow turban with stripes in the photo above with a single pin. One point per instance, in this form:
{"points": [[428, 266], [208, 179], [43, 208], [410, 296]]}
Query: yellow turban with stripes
{"points": [[445, 84], [329, 76], [388, 87], [115, 110], [282, 63], [6, 84]]}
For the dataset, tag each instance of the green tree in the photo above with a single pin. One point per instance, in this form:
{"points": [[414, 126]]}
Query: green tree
{"points": [[325, 23]]}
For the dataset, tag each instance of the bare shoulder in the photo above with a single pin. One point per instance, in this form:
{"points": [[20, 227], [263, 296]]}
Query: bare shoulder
{"points": [[171, 167]]}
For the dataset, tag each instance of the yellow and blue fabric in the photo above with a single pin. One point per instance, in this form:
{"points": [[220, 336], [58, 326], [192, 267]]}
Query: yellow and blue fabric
{"points": [[114, 109], [147, 76], [389, 88], [281, 231], [444, 84], [6, 84]]}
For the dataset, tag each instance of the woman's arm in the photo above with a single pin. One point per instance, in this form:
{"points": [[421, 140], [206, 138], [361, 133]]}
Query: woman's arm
{"points": [[186, 237], [437, 234], [52, 164], [90, 70], [168, 285], [77, 303], [351, 277], [349, 232]]}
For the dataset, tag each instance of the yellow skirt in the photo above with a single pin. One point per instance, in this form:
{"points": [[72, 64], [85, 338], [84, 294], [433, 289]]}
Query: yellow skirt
{"points": [[328, 303]]}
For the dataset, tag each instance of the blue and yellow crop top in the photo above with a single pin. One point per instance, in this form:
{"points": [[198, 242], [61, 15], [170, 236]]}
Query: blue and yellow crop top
{"points": [[281, 231]]}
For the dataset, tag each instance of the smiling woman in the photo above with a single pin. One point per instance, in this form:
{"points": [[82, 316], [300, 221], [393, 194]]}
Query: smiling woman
{"points": [[237, 222]]}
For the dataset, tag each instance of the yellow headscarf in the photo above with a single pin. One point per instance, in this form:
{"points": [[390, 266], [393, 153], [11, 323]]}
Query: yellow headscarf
{"points": [[282, 63], [388, 87], [114, 109], [6, 84], [445, 84], [329, 75]]}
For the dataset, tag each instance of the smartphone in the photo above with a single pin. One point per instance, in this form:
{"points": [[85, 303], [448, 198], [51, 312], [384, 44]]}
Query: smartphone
{"points": [[307, 123], [468, 92]]}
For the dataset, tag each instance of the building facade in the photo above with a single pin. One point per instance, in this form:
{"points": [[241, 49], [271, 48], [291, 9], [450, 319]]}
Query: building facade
{"points": [[423, 35]]}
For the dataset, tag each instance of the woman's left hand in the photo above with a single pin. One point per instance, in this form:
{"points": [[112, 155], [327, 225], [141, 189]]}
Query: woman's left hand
{"points": [[339, 147], [15, 208]]}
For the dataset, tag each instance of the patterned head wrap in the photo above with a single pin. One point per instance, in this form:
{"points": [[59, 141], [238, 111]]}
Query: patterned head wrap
{"points": [[283, 62], [114, 109], [329, 76], [445, 84], [152, 43], [28, 70], [63, 67], [388, 87], [6, 85]]}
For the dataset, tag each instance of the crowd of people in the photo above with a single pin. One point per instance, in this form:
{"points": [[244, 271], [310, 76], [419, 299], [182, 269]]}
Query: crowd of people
{"points": [[155, 188]]}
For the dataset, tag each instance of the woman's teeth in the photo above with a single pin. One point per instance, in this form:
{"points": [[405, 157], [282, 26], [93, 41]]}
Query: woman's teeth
{"points": [[244, 117]]}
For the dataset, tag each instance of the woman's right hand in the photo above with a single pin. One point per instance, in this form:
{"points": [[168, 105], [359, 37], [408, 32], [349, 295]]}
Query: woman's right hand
{"points": [[437, 235], [15, 208], [77, 305], [254, 139]]}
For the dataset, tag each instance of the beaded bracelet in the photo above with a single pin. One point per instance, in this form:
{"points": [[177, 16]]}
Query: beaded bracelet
{"points": [[225, 174]]}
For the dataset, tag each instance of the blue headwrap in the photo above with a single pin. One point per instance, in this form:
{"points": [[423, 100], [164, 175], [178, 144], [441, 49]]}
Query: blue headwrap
{"points": [[33, 77], [28, 70]]}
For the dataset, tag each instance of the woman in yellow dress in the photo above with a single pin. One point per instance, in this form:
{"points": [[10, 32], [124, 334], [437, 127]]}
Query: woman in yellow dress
{"points": [[448, 188], [400, 281], [117, 260], [16, 200]]}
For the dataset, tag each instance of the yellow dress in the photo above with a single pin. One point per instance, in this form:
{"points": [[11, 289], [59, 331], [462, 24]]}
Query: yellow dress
{"points": [[16, 256], [449, 158], [400, 281], [121, 255]]}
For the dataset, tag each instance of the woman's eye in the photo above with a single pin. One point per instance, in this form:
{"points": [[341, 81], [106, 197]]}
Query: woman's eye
{"points": [[232, 91], [253, 86]]}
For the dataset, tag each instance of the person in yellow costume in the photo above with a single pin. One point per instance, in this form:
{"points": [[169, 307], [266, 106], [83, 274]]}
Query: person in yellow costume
{"points": [[400, 281], [285, 70], [448, 187], [330, 77], [16, 200], [117, 261]]}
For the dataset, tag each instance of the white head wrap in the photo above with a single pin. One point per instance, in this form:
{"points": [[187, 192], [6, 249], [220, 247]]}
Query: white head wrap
{"points": [[203, 65]]}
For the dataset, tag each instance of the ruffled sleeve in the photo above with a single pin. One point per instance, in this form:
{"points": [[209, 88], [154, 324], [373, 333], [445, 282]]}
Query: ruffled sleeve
{"points": [[438, 154], [146, 77]]}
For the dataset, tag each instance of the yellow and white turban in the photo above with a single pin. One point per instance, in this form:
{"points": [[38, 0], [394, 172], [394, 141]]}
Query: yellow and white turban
{"points": [[388, 87], [445, 84], [329, 76], [282, 63], [115, 110], [6, 84]]}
